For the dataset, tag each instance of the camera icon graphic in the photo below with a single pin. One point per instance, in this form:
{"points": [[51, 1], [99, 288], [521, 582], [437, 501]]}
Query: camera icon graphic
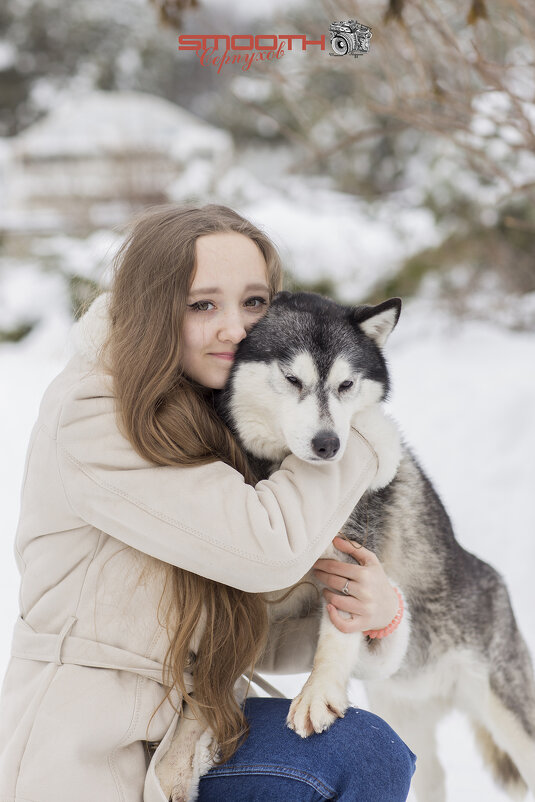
{"points": [[349, 38]]}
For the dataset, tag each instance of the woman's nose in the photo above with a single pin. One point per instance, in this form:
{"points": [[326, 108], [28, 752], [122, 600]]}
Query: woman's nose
{"points": [[232, 328]]}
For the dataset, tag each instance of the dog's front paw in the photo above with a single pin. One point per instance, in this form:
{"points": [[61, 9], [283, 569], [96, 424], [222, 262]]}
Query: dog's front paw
{"points": [[316, 707]]}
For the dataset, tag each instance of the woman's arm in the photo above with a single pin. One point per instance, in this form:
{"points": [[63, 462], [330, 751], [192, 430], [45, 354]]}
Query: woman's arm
{"points": [[367, 594], [371, 601], [204, 519], [292, 642]]}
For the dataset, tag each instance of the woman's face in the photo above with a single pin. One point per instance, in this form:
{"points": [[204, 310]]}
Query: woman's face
{"points": [[228, 295]]}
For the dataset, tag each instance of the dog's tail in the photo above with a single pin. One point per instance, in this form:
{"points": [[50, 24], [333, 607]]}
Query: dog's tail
{"points": [[502, 767]]}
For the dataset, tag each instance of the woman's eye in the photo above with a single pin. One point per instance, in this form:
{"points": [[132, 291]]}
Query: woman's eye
{"points": [[294, 380], [200, 306], [257, 302], [346, 385]]}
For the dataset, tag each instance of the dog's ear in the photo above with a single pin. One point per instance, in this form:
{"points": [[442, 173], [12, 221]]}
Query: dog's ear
{"points": [[378, 322], [283, 295]]}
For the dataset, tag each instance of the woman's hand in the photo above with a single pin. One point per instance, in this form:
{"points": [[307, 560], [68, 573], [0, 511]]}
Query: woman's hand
{"points": [[372, 601]]}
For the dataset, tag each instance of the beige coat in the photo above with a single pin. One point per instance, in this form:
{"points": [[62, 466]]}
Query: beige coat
{"points": [[85, 675]]}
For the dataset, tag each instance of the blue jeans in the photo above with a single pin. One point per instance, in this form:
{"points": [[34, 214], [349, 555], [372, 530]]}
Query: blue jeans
{"points": [[359, 759]]}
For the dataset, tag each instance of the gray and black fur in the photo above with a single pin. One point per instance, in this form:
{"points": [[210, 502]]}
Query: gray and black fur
{"points": [[465, 649]]}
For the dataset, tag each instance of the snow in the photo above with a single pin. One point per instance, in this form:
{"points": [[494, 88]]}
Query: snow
{"points": [[99, 155], [26, 290], [322, 232], [252, 89], [8, 54], [463, 393], [99, 123], [89, 257], [261, 8]]}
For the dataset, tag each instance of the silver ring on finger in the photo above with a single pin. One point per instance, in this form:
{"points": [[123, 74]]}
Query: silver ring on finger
{"points": [[345, 589]]}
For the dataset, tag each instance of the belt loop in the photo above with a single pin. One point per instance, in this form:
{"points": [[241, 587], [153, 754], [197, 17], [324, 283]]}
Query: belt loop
{"points": [[66, 628]]}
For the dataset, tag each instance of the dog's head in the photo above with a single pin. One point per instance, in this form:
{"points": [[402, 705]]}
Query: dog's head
{"points": [[302, 373]]}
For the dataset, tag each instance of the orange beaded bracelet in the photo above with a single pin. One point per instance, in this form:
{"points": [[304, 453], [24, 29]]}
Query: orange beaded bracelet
{"points": [[394, 624]]}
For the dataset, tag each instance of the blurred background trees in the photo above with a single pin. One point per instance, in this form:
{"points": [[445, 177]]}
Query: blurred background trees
{"points": [[445, 109], [439, 118]]}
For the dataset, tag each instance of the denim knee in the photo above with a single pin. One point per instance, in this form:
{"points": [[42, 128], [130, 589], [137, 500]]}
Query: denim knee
{"points": [[359, 757], [377, 765]]}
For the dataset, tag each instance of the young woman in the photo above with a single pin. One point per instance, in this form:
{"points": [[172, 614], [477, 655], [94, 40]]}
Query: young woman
{"points": [[144, 545]]}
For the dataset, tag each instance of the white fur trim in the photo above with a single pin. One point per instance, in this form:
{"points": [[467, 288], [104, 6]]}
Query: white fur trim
{"points": [[203, 761], [89, 332], [190, 754]]}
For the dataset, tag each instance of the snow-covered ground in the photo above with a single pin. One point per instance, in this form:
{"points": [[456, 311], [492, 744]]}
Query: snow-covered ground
{"points": [[464, 396]]}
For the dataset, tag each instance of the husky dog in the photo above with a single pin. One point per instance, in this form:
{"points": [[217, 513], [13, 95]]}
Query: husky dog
{"points": [[308, 371]]}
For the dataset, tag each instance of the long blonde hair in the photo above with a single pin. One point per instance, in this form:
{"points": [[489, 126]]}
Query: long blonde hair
{"points": [[170, 420]]}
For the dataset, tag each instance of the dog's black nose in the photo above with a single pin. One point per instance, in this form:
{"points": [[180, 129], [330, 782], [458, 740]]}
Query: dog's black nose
{"points": [[325, 445]]}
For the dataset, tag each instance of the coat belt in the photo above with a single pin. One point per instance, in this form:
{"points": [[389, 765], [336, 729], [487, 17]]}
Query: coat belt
{"points": [[64, 648]]}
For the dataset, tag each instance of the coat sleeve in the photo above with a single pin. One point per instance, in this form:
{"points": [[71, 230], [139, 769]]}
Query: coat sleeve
{"points": [[206, 519], [290, 646]]}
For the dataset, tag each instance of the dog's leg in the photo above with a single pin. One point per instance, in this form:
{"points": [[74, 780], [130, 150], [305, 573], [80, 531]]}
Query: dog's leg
{"points": [[415, 721], [324, 695], [505, 738]]}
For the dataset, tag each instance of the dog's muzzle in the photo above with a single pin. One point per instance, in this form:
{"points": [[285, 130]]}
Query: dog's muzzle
{"points": [[325, 446]]}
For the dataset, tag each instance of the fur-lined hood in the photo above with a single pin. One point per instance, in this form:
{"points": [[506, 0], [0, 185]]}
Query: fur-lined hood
{"points": [[89, 332]]}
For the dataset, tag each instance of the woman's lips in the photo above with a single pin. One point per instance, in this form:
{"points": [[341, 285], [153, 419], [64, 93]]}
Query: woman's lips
{"points": [[228, 357]]}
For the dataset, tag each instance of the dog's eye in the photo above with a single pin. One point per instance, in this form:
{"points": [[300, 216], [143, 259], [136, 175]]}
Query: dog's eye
{"points": [[346, 385], [294, 380]]}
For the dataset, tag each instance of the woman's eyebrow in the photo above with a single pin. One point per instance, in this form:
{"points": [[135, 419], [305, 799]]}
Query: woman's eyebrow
{"points": [[215, 290]]}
